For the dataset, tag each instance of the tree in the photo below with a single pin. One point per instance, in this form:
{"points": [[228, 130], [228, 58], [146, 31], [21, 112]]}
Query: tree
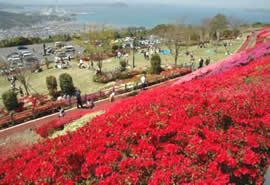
{"points": [[99, 38], [66, 84], [173, 37], [97, 43], [21, 74], [155, 64], [10, 100], [218, 24], [236, 24], [52, 86]]}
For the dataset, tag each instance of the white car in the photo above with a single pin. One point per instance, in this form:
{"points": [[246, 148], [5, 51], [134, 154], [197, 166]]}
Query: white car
{"points": [[27, 54], [69, 48]]}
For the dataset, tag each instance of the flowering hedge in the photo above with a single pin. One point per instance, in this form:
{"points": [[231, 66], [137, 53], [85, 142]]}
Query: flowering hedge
{"points": [[35, 109], [49, 128], [211, 131]]}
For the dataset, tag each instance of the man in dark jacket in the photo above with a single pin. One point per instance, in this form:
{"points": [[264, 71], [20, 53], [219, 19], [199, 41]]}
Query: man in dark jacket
{"points": [[78, 98]]}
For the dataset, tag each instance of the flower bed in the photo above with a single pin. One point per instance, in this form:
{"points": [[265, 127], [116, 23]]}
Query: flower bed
{"points": [[49, 128], [31, 112], [211, 131]]}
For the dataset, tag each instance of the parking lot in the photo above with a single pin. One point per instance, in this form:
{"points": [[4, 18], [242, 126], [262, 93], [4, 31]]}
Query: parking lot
{"points": [[36, 51]]}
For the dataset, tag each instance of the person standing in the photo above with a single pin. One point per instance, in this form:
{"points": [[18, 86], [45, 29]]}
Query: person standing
{"points": [[78, 98], [81, 63], [61, 112], [207, 61], [143, 81], [90, 103], [112, 96], [44, 49], [200, 63]]}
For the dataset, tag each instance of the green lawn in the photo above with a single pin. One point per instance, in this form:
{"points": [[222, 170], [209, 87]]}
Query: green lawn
{"points": [[73, 126], [82, 78]]}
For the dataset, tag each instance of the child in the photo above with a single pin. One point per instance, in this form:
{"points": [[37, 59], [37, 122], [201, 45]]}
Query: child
{"points": [[61, 112], [90, 103], [112, 96]]}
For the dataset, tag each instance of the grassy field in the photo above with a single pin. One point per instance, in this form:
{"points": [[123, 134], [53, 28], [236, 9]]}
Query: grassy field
{"points": [[73, 126], [82, 78]]}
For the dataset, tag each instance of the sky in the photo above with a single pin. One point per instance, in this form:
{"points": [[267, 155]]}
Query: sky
{"points": [[209, 3]]}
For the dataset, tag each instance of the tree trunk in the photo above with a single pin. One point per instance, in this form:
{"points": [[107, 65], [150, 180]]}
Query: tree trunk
{"points": [[26, 89], [175, 58], [133, 59], [176, 55]]}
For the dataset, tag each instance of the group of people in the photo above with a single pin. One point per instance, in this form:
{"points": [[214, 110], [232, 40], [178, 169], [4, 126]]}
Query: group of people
{"points": [[201, 62], [63, 64], [149, 52], [119, 55], [89, 103]]}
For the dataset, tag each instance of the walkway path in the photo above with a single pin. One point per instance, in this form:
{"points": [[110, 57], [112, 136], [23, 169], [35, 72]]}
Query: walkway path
{"points": [[100, 105]]}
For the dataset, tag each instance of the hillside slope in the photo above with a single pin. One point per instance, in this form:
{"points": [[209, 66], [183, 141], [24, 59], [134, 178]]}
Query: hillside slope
{"points": [[214, 130]]}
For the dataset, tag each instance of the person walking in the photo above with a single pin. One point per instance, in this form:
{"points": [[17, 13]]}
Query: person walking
{"points": [[78, 98], [143, 81]]}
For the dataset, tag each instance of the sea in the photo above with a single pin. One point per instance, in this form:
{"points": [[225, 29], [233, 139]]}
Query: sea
{"points": [[151, 15]]}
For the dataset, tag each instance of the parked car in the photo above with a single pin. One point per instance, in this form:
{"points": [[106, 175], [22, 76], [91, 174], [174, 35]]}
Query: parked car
{"points": [[69, 48]]}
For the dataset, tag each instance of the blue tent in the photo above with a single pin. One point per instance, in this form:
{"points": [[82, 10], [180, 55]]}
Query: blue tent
{"points": [[209, 51], [165, 52]]}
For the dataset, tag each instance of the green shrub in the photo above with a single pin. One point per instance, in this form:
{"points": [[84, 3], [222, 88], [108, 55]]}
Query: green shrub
{"points": [[10, 100], [155, 64], [66, 84], [52, 86]]}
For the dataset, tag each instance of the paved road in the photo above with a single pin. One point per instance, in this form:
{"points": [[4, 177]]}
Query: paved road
{"points": [[267, 177]]}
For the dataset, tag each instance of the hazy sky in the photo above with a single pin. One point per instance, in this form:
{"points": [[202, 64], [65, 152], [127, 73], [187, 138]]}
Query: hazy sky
{"points": [[209, 3]]}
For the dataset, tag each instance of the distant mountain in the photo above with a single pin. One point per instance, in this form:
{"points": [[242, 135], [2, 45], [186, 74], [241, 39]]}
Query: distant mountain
{"points": [[118, 4], [114, 5], [258, 10], [9, 6], [9, 20]]}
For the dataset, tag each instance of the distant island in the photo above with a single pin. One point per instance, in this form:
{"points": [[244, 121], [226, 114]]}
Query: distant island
{"points": [[258, 10], [9, 20], [113, 5]]}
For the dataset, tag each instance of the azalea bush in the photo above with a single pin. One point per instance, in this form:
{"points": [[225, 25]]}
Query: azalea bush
{"points": [[215, 130]]}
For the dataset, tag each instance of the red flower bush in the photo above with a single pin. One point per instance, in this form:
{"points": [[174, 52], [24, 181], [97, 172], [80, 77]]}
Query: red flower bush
{"points": [[215, 130]]}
